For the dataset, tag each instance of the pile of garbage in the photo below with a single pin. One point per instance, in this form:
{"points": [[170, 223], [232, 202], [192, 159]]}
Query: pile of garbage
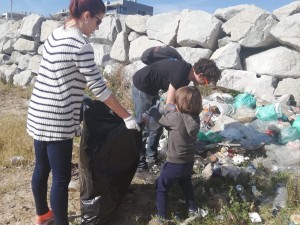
{"points": [[234, 127], [249, 124]]}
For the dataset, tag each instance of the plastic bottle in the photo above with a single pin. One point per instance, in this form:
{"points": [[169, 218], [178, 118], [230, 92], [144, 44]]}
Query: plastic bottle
{"points": [[280, 199], [161, 105]]}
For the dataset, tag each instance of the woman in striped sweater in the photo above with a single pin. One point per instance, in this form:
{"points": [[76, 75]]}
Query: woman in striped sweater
{"points": [[66, 68]]}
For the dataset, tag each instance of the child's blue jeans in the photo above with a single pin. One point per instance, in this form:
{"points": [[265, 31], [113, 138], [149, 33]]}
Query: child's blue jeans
{"points": [[170, 174]]}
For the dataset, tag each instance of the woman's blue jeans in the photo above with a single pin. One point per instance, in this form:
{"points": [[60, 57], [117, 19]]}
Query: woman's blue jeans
{"points": [[55, 156]]}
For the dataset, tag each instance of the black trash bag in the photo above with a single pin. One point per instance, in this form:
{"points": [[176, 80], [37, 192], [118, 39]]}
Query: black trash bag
{"points": [[109, 156]]}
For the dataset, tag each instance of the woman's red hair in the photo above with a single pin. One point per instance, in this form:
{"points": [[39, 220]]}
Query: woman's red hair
{"points": [[77, 7]]}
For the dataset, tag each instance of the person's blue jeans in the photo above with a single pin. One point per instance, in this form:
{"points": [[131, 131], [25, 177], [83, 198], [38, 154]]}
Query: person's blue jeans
{"points": [[170, 174], [143, 102], [55, 156]]}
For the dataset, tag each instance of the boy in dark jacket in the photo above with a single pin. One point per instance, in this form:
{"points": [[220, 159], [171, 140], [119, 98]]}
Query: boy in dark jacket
{"points": [[183, 126]]}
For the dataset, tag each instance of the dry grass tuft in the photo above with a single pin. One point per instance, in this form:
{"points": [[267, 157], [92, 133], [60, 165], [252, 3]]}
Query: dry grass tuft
{"points": [[14, 140], [121, 88]]}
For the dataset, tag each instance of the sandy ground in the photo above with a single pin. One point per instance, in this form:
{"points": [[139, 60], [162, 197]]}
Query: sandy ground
{"points": [[17, 205]]}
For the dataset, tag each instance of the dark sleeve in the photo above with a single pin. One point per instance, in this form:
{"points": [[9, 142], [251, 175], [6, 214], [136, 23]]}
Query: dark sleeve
{"points": [[179, 75], [155, 114]]}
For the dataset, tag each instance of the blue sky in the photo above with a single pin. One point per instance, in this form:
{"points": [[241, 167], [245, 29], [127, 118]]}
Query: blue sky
{"points": [[46, 7]]}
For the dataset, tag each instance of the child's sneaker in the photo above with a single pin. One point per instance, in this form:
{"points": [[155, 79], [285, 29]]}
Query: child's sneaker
{"points": [[45, 219]]}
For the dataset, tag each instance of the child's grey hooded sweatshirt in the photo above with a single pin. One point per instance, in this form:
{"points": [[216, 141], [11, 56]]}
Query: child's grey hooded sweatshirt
{"points": [[183, 129]]}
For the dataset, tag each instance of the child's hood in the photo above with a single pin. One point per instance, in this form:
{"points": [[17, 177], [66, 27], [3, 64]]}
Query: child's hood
{"points": [[192, 124]]}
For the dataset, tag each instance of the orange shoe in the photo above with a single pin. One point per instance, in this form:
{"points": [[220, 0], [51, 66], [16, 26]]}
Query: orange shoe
{"points": [[45, 219]]}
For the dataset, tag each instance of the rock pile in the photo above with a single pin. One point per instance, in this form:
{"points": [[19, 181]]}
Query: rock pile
{"points": [[257, 51]]}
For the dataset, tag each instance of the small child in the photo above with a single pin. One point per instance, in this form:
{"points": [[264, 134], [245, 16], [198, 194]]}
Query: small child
{"points": [[183, 126]]}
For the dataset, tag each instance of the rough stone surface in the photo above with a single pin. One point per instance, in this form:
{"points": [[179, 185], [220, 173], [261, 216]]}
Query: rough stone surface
{"points": [[34, 64], [107, 32], [133, 35], [130, 69], [166, 31], [23, 61], [24, 45], [192, 33], [225, 14], [192, 55], [287, 31], [227, 57], [8, 72], [23, 78], [244, 81], [47, 28], [136, 23], [139, 45], [31, 26], [279, 62], [251, 28], [101, 52], [287, 10], [289, 86], [120, 48]]}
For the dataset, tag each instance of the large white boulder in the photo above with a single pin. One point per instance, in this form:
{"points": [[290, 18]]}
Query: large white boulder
{"points": [[289, 86], [287, 31], [163, 31], [278, 62], [192, 55], [133, 35], [102, 54], [136, 23], [120, 48], [8, 71], [251, 28], [34, 64], [107, 32], [47, 28], [287, 10], [198, 28], [4, 29], [31, 26], [129, 70], [244, 81], [227, 57], [24, 45], [139, 45], [23, 61], [23, 78], [8, 46], [227, 13]]}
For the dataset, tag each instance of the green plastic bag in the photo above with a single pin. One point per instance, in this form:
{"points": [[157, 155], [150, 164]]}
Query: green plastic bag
{"points": [[296, 123], [214, 137], [245, 99], [201, 136], [288, 134], [266, 113]]}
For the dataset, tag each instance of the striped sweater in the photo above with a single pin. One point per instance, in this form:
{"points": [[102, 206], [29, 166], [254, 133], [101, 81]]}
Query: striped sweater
{"points": [[67, 66]]}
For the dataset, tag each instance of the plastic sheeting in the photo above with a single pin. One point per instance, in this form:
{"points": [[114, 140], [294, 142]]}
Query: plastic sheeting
{"points": [[109, 156]]}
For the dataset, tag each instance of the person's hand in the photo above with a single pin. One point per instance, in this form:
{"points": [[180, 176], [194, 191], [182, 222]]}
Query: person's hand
{"points": [[131, 123]]}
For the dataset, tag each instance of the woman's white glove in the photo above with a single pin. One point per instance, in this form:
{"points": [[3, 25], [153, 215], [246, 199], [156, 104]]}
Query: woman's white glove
{"points": [[131, 123]]}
